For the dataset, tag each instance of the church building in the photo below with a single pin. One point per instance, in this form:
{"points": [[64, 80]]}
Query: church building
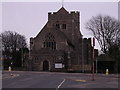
{"points": [[60, 46]]}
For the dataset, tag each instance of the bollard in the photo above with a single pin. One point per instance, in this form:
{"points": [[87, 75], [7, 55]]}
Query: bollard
{"points": [[9, 69], [107, 71]]}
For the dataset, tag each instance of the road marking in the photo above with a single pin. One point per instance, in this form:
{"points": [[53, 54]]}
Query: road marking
{"points": [[81, 80], [60, 84], [78, 80]]}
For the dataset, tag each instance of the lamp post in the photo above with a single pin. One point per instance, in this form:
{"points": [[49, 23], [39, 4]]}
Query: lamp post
{"points": [[22, 56], [93, 59], [83, 55], [96, 65]]}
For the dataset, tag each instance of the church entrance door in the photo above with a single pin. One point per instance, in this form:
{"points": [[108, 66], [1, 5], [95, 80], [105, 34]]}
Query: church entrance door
{"points": [[45, 66]]}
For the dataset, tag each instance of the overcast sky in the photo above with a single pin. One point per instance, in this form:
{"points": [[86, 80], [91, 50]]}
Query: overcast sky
{"points": [[28, 18]]}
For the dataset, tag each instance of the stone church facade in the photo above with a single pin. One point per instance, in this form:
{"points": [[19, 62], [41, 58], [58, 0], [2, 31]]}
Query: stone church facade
{"points": [[60, 46]]}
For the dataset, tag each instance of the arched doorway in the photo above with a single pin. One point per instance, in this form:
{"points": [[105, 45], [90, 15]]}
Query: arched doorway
{"points": [[45, 66]]}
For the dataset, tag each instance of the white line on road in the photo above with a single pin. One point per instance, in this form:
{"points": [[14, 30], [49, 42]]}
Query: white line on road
{"points": [[60, 84]]}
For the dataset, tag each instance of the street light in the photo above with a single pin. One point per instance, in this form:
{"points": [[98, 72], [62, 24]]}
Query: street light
{"points": [[83, 55], [22, 56], [96, 65], [93, 44]]}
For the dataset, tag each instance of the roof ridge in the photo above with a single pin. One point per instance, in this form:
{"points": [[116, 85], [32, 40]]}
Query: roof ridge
{"points": [[62, 10]]}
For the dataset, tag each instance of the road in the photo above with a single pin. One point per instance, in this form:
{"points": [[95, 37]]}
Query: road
{"points": [[57, 80]]}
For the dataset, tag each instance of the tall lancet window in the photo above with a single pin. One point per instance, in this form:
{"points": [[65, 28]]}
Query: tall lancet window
{"points": [[58, 26], [63, 26], [49, 41]]}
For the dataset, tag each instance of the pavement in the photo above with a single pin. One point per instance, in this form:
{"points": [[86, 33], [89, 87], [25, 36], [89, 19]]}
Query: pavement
{"points": [[57, 80]]}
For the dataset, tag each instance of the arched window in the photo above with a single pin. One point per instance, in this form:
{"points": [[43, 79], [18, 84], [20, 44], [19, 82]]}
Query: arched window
{"points": [[49, 41]]}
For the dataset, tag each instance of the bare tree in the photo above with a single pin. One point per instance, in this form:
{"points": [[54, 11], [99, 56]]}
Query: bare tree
{"points": [[106, 30], [13, 41], [12, 44]]}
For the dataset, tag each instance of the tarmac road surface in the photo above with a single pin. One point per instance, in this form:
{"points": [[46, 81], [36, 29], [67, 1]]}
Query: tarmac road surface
{"points": [[57, 80]]}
